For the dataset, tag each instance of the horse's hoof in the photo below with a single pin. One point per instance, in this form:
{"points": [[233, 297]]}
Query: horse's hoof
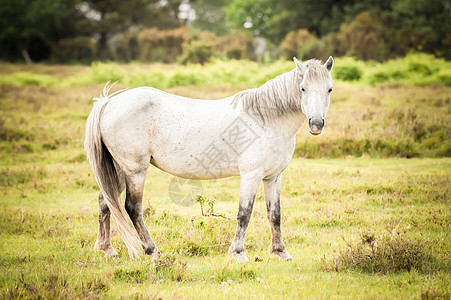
{"points": [[155, 256], [111, 253], [241, 258], [283, 255]]}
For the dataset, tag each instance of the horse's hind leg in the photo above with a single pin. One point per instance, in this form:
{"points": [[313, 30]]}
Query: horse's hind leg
{"points": [[133, 206], [272, 197], [103, 242]]}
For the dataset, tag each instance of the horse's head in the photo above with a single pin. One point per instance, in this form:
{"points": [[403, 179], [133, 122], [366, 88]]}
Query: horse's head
{"points": [[316, 86]]}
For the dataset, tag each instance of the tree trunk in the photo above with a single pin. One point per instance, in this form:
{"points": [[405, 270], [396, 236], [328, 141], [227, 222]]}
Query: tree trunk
{"points": [[26, 56]]}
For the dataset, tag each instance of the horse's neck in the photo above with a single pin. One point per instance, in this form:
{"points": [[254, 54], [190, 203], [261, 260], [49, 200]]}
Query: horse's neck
{"points": [[287, 125]]}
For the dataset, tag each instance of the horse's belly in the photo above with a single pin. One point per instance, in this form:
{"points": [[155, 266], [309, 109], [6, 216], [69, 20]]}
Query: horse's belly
{"points": [[208, 164]]}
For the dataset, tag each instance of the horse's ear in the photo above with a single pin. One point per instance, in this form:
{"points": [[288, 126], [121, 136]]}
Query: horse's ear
{"points": [[300, 65], [329, 64]]}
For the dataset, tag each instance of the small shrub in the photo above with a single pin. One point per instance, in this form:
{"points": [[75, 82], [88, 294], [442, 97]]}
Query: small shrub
{"points": [[390, 252], [347, 72], [208, 203], [378, 77], [421, 68], [434, 293], [199, 50], [168, 267]]}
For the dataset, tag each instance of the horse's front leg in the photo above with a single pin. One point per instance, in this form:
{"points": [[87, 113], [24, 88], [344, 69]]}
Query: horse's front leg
{"points": [[272, 197], [248, 190]]}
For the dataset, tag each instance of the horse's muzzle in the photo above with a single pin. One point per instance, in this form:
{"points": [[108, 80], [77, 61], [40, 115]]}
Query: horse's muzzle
{"points": [[315, 125]]}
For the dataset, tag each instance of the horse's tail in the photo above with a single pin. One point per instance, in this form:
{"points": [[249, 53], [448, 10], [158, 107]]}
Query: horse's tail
{"points": [[105, 173]]}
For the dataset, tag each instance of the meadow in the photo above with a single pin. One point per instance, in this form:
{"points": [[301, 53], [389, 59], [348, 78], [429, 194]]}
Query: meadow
{"points": [[365, 205]]}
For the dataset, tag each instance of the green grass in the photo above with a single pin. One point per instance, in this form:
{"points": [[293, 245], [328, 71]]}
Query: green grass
{"points": [[352, 181], [49, 225]]}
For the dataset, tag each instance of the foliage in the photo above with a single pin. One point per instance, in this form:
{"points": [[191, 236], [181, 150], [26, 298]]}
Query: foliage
{"points": [[290, 45], [386, 112], [77, 49], [84, 31], [419, 69], [199, 49], [164, 45], [33, 27], [389, 252], [114, 17], [304, 45], [236, 45], [366, 38], [210, 16], [382, 30], [208, 203], [347, 69], [415, 68], [274, 19]]}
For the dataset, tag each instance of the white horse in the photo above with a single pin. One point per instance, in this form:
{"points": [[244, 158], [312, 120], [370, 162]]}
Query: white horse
{"points": [[251, 134]]}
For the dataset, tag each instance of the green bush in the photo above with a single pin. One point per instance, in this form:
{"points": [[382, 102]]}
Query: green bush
{"points": [[378, 77], [199, 49], [414, 68], [347, 72], [314, 48], [161, 45], [417, 67], [236, 45], [444, 77]]}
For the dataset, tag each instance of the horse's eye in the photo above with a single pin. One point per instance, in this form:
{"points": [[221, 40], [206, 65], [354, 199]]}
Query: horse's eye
{"points": [[330, 90], [302, 89]]}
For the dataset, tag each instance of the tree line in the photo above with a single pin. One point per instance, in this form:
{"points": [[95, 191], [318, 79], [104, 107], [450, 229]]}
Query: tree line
{"points": [[195, 30]]}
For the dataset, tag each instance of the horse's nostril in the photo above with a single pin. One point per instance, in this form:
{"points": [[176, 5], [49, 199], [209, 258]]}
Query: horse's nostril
{"points": [[323, 123]]}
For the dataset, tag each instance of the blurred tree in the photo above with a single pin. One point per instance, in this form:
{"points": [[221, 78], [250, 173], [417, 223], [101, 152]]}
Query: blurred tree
{"points": [[274, 19], [424, 25], [210, 15], [107, 18], [29, 28]]}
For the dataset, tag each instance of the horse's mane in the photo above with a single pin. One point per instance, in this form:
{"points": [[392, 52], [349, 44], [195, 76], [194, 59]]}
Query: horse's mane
{"points": [[279, 96]]}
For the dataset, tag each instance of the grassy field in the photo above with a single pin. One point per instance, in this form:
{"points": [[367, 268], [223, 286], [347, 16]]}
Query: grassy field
{"points": [[365, 205]]}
